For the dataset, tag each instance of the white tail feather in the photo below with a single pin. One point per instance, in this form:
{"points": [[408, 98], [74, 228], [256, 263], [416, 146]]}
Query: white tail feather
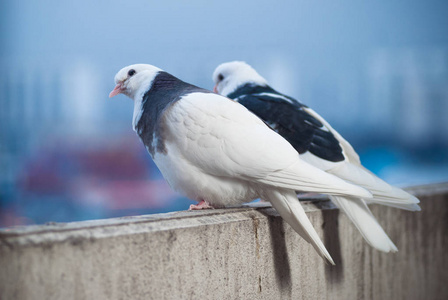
{"points": [[289, 207], [361, 216], [302, 176]]}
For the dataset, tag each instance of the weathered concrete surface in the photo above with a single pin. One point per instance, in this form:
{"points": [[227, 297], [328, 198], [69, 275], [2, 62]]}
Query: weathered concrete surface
{"points": [[244, 253]]}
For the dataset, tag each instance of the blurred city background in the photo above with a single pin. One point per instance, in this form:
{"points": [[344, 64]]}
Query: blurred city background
{"points": [[377, 71]]}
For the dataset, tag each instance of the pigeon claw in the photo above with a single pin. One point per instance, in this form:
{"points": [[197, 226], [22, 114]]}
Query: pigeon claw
{"points": [[201, 205]]}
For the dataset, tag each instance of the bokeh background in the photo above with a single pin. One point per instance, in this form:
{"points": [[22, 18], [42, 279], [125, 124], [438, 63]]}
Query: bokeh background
{"points": [[376, 70]]}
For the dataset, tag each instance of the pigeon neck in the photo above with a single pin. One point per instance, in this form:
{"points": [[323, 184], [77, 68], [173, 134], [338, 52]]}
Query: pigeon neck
{"points": [[145, 86], [165, 90]]}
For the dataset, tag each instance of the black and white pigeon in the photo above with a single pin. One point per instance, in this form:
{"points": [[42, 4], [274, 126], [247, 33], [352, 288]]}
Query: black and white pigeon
{"points": [[213, 150], [318, 144]]}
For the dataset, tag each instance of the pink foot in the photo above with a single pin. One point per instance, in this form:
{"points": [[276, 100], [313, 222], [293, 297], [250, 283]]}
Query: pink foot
{"points": [[201, 205]]}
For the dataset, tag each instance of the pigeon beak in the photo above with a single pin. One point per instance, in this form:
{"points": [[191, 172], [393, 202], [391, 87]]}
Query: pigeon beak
{"points": [[117, 90], [215, 89]]}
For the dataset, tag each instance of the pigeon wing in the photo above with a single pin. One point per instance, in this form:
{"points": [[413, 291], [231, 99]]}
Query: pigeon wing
{"points": [[291, 120], [223, 138]]}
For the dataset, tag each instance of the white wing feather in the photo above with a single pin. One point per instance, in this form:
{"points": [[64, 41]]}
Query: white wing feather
{"points": [[383, 192], [236, 143]]}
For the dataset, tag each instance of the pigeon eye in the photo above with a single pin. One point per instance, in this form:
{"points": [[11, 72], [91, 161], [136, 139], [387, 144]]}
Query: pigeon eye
{"points": [[220, 77], [131, 72]]}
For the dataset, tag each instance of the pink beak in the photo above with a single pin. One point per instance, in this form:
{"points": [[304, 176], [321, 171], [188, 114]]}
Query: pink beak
{"points": [[215, 89], [117, 90]]}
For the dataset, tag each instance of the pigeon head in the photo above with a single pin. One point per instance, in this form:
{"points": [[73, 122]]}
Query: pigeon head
{"points": [[232, 75], [134, 80]]}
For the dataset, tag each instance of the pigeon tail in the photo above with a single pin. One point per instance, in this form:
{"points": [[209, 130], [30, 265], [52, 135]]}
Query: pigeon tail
{"points": [[383, 193], [288, 206], [301, 176], [359, 213]]}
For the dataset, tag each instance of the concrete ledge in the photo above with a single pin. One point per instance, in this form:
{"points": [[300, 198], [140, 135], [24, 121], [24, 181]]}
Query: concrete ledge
{"points": [[237, 253]]}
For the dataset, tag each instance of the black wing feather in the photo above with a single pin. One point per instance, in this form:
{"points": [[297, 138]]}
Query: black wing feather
{"points": [[288, 118]]}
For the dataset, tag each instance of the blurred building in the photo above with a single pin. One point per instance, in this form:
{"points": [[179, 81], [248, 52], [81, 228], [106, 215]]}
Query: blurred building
{"points": [[377, 71]]}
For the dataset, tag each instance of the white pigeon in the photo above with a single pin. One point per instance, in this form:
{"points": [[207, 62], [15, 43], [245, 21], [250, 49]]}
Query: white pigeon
{"points": [[318, 144], [215, 151]]}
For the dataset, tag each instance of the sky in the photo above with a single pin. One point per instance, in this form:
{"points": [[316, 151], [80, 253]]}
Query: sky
{"points": [[322, 34]]}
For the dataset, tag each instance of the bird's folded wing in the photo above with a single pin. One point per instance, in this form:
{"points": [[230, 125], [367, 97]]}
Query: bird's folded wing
{"points": [[348, 150], [223, 138], [291, 120]]}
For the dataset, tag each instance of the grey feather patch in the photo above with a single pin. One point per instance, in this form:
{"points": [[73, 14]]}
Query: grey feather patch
{"points": [[164, 92]]}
